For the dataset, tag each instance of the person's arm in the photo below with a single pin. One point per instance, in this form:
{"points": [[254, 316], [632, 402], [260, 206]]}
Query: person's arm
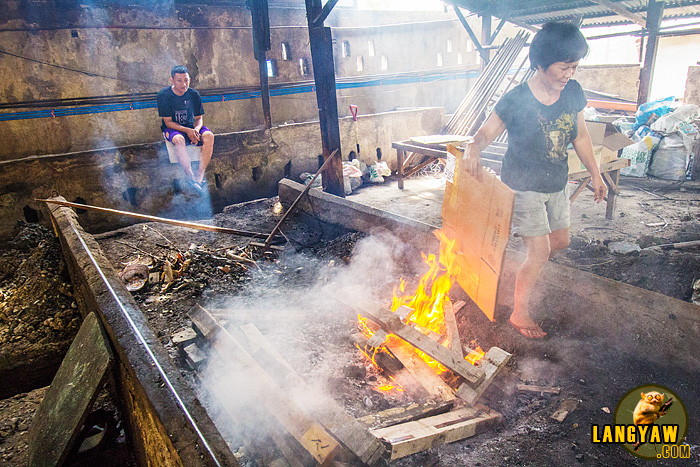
{"points": [[488, 132], [584, 151], [192, 133], [198, 123]]}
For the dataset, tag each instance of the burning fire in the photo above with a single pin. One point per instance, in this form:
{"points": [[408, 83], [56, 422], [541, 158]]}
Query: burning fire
{"points": [[428, 302]]}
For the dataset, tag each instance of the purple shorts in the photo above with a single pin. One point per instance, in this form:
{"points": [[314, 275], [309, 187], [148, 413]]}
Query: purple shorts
{"points": [[169, 134]]}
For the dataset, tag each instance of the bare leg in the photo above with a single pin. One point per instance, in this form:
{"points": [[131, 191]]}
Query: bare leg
{"points": [[205, 154], [182, 157], [538, 250], [558, 240]]}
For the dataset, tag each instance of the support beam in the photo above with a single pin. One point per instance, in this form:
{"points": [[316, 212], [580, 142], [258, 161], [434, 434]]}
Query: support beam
{"points": [[321, 44], [622, 11], [261, 44], [327, 8], [655, 13], [495, 33], [484, 54]]}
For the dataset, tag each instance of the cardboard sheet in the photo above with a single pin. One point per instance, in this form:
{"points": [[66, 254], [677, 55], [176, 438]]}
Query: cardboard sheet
{"points": [[477, 214]]}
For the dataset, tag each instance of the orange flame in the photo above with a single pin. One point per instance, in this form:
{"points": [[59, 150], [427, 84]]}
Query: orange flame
{"points": [[427, 303], [475, 355]]}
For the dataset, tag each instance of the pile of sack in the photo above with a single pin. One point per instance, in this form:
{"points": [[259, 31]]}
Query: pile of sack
{"points": [[354, 172], [664, 140]]}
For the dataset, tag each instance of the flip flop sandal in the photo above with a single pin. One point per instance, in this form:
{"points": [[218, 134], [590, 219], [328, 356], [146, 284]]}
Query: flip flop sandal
{"points": [[526, 331]]}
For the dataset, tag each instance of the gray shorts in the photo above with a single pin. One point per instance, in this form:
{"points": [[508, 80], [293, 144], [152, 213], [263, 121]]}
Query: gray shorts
{"points": [[536, 214]]}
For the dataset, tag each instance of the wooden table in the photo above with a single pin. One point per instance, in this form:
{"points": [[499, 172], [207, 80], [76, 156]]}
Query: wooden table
{"points": [[492, 157]]}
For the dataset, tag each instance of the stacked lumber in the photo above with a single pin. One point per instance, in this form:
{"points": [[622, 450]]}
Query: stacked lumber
{"points": [[480, 98], [324, 434]]}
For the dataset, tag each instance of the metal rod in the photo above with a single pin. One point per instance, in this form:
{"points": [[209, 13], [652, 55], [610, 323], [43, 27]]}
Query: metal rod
{"points": [[191, 225], [266, 245]]}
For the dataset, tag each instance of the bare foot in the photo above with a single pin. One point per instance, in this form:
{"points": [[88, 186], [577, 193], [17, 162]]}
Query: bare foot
{"points": [[526, 326]]}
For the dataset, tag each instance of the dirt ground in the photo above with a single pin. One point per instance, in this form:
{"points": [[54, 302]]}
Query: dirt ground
{"points": [[286, 298]]}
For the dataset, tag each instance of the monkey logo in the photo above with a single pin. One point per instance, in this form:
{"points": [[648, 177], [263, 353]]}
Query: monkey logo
{"points": [[657, 422]]}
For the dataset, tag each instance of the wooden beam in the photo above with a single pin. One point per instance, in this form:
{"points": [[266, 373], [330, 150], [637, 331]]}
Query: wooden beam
{"points": [[332, 417], [451, 327], [484, 53], [307, 431], [390, 322], [327, 8], [261, 44], [410, 412], [426, 376], [622, 11], [486, 36], [321, 44], [655, 13], [416, 436], [495, 33], [492, 363]]}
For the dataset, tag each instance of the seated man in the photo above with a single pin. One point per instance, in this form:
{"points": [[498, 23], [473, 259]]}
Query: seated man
{"points": [[181, 110]]}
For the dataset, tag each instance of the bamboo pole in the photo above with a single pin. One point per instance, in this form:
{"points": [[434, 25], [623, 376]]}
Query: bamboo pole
{"points": [[266, 245], [162, 220]]}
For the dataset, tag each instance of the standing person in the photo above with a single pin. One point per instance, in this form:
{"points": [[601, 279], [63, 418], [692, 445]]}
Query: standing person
{"points": [[181, 110], [543, 116]]}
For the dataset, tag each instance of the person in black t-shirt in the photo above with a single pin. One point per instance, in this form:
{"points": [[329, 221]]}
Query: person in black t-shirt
{"points": [[543, 116], [181, 110]]}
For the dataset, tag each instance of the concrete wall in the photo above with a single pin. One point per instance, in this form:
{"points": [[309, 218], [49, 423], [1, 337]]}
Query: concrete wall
{"points": [[692, 86], [620, 80], [63, 50], [138, 178]]}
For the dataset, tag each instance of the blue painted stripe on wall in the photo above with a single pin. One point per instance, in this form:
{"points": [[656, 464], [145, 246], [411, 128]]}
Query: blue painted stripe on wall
{"points": [[105, 108]]}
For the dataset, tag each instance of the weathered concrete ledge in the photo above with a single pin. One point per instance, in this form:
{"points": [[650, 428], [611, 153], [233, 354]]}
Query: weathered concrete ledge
{"points": [[161, 432]]}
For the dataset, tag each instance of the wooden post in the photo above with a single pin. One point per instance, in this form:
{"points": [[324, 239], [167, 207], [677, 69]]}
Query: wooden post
{"points": [[486, 37], [321, 44], [655, 13], [261, 44]]}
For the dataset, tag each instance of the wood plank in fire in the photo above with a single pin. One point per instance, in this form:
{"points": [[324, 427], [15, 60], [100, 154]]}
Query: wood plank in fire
{"points": [[412, 411], [451, 327], [492, 363], [419, 435], [390, 322], [426, 376], [342, 426], [307, 431]]}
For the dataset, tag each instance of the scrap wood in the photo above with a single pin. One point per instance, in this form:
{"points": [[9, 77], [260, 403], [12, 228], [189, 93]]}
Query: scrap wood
{"points": [[412, 411], [307, 431], [419, 435], [392, 323], [342, 426], [426, 376], [451, 327], [566, 407], [385, 360], [492, 363], [540, 389], [144, 217]]}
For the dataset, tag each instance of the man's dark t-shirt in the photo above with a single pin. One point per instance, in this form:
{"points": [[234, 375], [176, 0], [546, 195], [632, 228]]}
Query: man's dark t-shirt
{"points": [[538, 135], [182, 109]]}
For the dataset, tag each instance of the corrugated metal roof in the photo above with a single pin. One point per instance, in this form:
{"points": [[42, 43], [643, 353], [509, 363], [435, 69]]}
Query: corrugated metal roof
{"points": [[537, 12]]}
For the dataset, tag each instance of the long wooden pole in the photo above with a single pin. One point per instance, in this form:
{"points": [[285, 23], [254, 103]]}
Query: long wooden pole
{"points": [[296, 201], [162, 220]]}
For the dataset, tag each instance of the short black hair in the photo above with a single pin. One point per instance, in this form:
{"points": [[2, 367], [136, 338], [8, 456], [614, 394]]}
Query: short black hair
{"points": [[557, 42], [178, 69]]}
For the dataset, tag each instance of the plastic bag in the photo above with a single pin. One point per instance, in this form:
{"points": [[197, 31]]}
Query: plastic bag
{"points": [[352, 177], [624, 125], [670, 122], [650, 111], [591, 114], [671, 159], [306, 179], [378, 171], [639, 155]]}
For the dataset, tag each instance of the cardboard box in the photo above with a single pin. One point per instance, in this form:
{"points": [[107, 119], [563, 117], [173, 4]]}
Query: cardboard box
{"points": [[607, 141], [477, 214]]}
